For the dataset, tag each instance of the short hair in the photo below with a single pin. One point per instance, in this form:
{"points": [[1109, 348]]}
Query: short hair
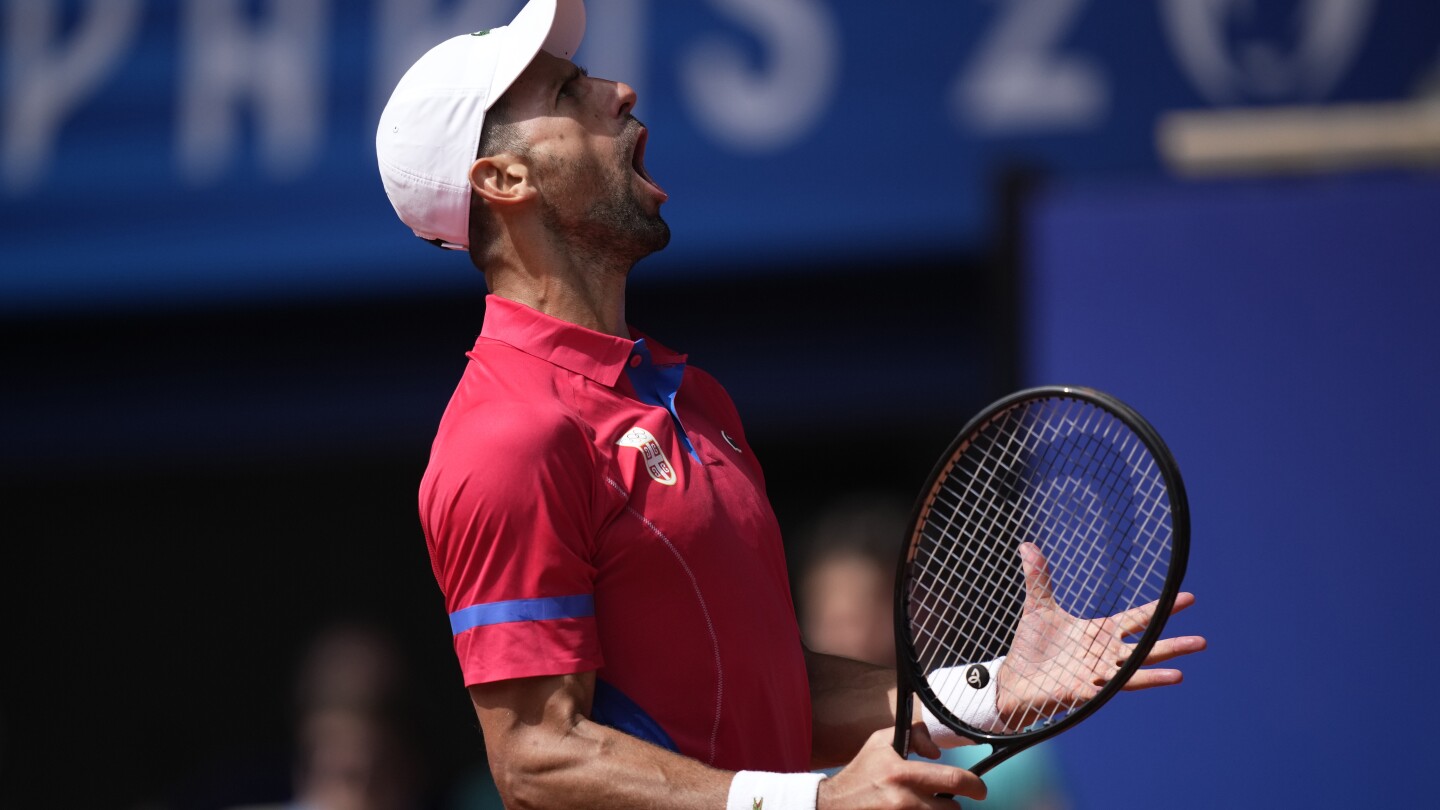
{"points": [[498, 134]]}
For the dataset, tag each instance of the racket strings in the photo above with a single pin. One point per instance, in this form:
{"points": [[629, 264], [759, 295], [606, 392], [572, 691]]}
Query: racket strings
{"points": [[1078, 483], [1101, 444], [976, 574], [975, 566]]}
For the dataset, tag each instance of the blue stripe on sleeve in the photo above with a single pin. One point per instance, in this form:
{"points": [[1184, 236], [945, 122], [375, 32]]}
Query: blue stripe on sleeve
{"points": [[522, 610]]}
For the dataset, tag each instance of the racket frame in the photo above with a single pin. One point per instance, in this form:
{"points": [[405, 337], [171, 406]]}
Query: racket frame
{"points": [[910, 683]]}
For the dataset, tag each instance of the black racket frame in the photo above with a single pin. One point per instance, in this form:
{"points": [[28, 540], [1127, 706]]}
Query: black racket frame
{"points": [[911, 683]]}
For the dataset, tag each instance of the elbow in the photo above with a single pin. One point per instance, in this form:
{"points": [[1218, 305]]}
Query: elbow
{"points": [[537, 758], [519, 793], [538, 771], [523, 782]]}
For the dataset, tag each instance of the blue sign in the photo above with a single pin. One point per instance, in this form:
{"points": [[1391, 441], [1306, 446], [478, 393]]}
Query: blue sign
{"points": [[163, 152], [1281, 337]]}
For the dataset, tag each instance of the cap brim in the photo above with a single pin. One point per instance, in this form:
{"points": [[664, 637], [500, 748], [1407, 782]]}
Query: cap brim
{"points": [[554, 26]]}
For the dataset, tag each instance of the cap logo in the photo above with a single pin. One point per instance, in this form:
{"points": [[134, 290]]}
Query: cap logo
{"points": [[650, 455]]}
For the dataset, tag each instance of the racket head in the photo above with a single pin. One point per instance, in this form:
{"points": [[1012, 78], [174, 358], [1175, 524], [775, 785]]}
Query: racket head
{"points": [[1090, 483]]}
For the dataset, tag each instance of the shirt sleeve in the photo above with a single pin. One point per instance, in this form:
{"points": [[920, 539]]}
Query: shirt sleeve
{"points": [[507, 506]]}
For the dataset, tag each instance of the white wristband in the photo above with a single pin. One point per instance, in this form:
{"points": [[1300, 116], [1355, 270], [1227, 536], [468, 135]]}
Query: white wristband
{"points": [[760, 790], [969, 693]]}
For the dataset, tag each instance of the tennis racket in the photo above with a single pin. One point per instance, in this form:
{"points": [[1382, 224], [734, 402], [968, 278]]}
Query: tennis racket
{"points": [[1046, 552]]}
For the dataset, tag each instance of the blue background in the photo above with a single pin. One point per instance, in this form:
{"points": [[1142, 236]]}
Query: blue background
{"points": [[111, 213], [1282, 338]]}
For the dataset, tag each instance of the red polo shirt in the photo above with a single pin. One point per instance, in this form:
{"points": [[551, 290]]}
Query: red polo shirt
{"points": [[574, 527]]}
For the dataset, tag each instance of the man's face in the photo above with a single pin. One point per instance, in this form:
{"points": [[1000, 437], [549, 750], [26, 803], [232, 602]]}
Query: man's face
{"points": [[586, 152]]}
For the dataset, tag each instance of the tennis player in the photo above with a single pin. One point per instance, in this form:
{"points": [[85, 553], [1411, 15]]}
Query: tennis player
{"points": [[597, 522]]}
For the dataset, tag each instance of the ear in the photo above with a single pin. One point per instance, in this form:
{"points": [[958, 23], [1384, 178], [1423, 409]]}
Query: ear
{"points": [[502, 179]]}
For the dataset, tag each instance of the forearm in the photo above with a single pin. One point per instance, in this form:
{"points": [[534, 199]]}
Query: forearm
{"points": [[849, 701], [545, 753], [598, 767]]}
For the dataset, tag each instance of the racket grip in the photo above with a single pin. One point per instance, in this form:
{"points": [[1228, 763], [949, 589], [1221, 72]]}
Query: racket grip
{"points": [[904, 710]]}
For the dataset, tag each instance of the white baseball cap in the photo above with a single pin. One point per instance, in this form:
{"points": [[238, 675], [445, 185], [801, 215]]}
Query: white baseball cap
{"points": [[430, 129]]}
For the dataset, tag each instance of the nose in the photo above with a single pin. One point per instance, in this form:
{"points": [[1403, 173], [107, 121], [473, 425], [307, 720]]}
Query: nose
{"points": [[625, 99]]}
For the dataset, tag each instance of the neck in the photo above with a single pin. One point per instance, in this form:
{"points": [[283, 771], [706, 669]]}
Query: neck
{"points": [[576, 278], [573, 285], [594, 301]]}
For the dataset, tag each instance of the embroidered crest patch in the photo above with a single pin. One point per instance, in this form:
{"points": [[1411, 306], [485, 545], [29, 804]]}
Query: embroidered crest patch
{"points": [[651, 455]]}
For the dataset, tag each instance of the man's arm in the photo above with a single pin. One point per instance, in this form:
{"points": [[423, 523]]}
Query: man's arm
{"points": [[849, 701], [545, 753]]}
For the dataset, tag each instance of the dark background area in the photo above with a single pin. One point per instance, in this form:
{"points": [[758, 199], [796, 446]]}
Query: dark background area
{"points": [[192, 494]]}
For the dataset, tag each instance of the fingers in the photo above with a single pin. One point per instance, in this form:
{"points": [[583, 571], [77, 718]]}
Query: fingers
{"points": [[1135, 620], [1038, 590], [1164, 650], [879, 777], [929, 779], [921, 743], [1168, 648], [1183, 600], [1151, 678]]}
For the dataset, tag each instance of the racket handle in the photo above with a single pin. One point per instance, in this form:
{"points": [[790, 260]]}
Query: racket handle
{"points": [[904, 709]]}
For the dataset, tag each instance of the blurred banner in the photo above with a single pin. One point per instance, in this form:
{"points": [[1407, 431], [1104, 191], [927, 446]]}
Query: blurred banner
{"points": [[157, 152]]}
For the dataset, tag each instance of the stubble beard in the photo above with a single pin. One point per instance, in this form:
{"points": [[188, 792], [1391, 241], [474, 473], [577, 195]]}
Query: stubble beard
{"points": [[615, 229]]}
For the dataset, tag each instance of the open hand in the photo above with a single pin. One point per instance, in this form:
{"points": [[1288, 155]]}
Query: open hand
{"points": [[1058, 661]]}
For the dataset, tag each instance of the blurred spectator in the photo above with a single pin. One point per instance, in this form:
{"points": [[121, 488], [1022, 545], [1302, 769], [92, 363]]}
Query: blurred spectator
{"points": [[845, 599], [355, 735]]}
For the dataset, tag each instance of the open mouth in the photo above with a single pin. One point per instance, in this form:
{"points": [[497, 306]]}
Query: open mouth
{"points": [[637, 162]]}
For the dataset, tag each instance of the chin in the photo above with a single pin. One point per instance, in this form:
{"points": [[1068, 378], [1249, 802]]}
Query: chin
{"points": [[659, 239], [647, 231]]}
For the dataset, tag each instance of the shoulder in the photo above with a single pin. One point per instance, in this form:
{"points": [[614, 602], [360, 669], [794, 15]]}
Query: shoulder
{"points": [[508, 460], [697, 377], [507, 395], [505, 431], [705, 387], [511, 415]]}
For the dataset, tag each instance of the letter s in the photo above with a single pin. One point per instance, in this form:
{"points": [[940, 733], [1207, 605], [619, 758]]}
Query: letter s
{"points": [[768, 108]]}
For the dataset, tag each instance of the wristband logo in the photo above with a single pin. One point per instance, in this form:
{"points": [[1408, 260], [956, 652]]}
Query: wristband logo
{"points": [[651, 455], [977, 677]]}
